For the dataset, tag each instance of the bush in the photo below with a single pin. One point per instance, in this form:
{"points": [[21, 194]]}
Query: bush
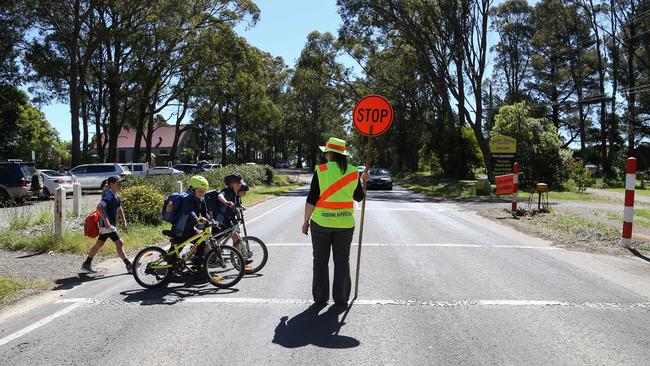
{"points": [[581, 176], [142, 205], [269, 174], [166, 184]]}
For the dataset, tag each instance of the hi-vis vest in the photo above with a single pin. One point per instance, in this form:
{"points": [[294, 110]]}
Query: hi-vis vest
{"points": [[335, 207]]}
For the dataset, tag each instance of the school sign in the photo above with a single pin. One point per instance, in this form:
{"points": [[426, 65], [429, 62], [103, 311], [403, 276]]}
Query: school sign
{"points": [[503, 150]]}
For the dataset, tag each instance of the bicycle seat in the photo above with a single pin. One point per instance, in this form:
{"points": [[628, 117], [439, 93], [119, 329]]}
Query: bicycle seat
{"points": [[169, 233]]}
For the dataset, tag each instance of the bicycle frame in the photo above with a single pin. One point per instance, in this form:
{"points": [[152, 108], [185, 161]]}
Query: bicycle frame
{"points": [[203, 236]]}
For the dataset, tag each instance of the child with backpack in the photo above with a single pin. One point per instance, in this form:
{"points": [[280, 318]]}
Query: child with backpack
{"points": [[223, 206], [108, 208], [184, 210]]}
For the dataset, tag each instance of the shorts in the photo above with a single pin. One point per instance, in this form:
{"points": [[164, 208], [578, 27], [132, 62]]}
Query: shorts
{"points": [[114, 236]]}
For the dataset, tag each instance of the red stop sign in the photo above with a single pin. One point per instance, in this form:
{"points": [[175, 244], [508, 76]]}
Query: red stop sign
{"points": [[372, 111]]}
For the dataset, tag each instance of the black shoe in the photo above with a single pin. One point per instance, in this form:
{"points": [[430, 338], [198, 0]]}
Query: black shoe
{"points": [[129, 268], [341, 304], [87, 268]]}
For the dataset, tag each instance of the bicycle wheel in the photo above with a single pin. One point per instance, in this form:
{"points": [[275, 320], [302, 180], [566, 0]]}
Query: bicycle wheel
{"points": [[144, 274], [256, 251], [224, 266]]}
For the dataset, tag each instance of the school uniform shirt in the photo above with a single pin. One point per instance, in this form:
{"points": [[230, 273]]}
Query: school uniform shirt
{"points": [[110, 202]]}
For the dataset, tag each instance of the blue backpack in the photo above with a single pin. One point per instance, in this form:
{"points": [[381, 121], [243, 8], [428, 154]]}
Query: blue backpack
{"points": [[171, 210]]}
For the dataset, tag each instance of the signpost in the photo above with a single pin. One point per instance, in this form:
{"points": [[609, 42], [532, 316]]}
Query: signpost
{"points": [[503, 149], [372, 116]]}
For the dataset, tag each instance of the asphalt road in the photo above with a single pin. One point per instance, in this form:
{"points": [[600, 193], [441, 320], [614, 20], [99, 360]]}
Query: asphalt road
{"points": [[439, 285]]}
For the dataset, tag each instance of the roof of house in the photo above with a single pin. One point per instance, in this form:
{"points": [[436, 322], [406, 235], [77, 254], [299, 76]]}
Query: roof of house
{"points": [[163, 137]]}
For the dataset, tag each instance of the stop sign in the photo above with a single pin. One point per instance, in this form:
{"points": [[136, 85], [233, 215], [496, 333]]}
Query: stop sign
{"points": [[372, 111]]}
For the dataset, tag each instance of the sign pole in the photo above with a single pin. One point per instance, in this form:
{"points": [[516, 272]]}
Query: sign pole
{"points": [[363, 214]]}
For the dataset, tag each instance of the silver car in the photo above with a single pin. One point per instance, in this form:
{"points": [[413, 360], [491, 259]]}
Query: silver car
{"points": [[94, 176]]}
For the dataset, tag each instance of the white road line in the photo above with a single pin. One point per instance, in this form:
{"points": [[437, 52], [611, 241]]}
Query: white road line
{"points": [[40, 323], [431, 245], [271, 210], [386, 302]]}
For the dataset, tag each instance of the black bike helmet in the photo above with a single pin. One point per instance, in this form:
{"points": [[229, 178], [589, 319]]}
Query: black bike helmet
{"points": [[235, 177], [244, 187]]}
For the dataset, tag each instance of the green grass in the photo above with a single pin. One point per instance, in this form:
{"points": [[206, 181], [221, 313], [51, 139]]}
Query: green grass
{"points": [[10, 286], [138, 237], [580, 226], [429, 185], [575, 196]]}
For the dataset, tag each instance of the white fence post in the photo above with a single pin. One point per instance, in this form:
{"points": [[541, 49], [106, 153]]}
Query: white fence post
{"points": [[179, 186], [76, 195], [59, 213]]}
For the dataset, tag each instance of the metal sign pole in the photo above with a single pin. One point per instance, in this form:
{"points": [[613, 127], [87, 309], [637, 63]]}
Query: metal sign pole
{"points": [[363, 214]]}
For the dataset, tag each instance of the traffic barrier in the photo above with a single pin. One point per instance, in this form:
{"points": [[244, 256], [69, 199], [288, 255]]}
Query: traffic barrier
{"points": [[628, 211], [516, 189]]}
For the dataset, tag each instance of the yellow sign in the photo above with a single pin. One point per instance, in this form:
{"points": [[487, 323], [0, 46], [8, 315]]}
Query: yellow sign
{"points": [[503, 145]]}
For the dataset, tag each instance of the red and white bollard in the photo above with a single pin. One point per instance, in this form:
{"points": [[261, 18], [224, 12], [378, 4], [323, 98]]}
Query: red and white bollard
{"points": [[628, 211], [516, 189]]}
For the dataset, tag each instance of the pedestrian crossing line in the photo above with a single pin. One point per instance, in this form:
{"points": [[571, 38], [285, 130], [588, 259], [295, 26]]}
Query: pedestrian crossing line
{"points": [[497, 303], [431, 245], [41, 322]]}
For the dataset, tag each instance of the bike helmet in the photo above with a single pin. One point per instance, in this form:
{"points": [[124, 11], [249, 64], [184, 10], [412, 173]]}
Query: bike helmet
{"points": [[235, 177], [198, 181], [244, 187]]}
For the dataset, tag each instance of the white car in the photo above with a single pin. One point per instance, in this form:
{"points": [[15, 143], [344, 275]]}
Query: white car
{"points": [[53, 180], [210, 166], [94, 176], [138, 169], [163, 170]]}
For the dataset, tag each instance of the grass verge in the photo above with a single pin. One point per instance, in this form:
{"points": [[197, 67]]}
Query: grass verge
{"points": [[9, 287]]}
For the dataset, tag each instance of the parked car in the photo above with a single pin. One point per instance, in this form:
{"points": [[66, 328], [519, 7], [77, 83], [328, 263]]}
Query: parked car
{"points": [[163, 170], [282, 165], [210, 166], [16, 180], [361, 168], [188, 168], [94, 176], [379, 179], [251, 163], [53, 180], [138, 169]]}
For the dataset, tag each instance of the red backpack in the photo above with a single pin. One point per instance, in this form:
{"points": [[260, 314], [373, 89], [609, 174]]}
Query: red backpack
{"points": [[91, 225]]}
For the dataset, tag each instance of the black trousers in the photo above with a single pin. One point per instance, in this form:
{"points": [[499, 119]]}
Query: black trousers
{"points": [[338, 240]]}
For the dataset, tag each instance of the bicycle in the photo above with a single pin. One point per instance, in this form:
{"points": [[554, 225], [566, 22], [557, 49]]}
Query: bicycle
{"points": [[223, 265], [253, 246]]}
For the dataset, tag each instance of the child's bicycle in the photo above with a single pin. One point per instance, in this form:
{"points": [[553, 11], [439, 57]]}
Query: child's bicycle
{"points": [[254, 250], [223, 265]]}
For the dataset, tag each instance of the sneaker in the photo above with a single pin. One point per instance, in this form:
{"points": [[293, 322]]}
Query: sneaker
{"points": [[129, 268], [88, 268], [248, 260]]}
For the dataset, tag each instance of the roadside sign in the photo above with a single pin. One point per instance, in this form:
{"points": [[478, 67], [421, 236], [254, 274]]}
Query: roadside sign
{"points": [[505, 184], [503, 145], [373, 114], [503, 150]]}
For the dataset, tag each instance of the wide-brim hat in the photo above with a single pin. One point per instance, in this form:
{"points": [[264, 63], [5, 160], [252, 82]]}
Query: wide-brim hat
{"points": [[336, 146]]}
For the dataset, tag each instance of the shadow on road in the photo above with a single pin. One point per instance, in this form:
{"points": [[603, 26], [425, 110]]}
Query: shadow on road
{"points": [[74, 281], [638, 254], [179, 289], [310, 327]]}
